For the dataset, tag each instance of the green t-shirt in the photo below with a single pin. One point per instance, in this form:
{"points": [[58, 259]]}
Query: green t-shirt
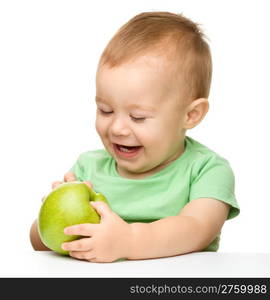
{"points": [[198, 173]]}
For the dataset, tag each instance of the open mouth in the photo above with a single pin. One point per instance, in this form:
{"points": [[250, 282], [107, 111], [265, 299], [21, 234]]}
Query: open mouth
{"points": [[127, 151]]}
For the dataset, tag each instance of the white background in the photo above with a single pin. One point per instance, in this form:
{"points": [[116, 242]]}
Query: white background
{"points": [[48, 57]]}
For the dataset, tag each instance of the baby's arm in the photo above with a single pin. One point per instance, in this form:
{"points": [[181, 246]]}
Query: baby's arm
{"points": [[192, 230]]}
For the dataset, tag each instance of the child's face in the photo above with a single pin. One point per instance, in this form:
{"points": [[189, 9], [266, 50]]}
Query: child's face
{"points": [[138, 105]]}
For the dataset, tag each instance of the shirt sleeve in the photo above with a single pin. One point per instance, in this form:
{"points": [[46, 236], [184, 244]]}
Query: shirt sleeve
{"points": [[214, 178]]}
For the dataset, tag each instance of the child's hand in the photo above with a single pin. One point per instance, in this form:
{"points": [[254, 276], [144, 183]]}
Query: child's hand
{"points": [[68, 177], [104, 242]]}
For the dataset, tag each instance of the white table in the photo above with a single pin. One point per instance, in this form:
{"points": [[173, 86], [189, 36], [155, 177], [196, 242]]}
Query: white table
{"points": [[202, 264]]}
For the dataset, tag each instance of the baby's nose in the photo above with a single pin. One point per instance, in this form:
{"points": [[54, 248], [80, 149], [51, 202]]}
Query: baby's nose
{"points": [[120, 127]]}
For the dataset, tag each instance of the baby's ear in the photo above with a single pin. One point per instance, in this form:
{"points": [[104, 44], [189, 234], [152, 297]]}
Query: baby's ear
{"points": [[195, 112]]}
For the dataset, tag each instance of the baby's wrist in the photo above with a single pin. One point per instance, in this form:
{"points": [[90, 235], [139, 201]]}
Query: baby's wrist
{"points": [[134, 243]]}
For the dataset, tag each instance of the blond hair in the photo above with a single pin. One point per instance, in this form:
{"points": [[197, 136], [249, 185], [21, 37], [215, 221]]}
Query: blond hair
{"points": [[175, 37]]}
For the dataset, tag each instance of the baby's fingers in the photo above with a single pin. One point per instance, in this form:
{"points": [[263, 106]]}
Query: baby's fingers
{"points": [[83, 244], [69, 176], [88, 183], [85, 229], [55, 184]]}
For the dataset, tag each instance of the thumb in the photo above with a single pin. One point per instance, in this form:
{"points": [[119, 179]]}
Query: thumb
{"points": [[102, 208]]}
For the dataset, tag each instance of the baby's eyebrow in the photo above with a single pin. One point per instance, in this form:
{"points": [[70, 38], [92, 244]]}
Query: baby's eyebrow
{"points": [[98, 99], [143, 107], [135, 105]]}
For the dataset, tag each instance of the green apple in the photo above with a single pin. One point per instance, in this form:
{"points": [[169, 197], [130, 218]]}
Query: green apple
{"points": [[66, 205]]}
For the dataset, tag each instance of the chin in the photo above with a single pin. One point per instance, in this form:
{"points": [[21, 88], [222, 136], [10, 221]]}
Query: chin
{"points": [[128, 167]]}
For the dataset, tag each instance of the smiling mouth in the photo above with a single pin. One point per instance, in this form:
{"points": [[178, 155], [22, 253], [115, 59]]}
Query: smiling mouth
{"points": [[127, 152], [127, 149]]}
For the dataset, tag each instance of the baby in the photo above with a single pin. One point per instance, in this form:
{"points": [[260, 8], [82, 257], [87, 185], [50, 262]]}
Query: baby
{"points": [[168, 194]]}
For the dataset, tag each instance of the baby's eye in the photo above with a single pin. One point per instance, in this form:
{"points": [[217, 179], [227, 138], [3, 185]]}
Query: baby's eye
{"points": [[105, 112], [138, 119]]}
